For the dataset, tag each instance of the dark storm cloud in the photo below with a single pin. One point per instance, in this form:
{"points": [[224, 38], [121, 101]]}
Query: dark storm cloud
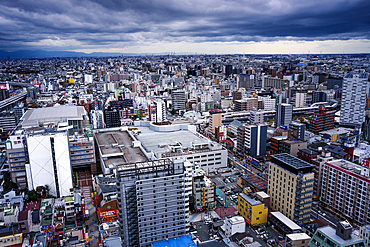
{"points": [[86, 24]]}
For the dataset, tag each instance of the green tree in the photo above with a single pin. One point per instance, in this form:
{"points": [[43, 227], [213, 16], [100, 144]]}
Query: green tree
{"points": [[173, 111], [9, 185], [32, 196]]}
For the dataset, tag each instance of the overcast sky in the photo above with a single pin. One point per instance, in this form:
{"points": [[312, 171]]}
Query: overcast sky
{"points": [[186, 26]]}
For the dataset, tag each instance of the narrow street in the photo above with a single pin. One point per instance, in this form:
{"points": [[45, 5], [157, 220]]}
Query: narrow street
{"points": [[91, 223]]}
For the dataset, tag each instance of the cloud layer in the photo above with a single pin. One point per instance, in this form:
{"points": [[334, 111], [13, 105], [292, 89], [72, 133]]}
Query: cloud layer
{"points": [[123, 24]]}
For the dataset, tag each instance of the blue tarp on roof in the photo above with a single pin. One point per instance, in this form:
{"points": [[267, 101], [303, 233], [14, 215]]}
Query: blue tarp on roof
{"points": [[176, 242]]}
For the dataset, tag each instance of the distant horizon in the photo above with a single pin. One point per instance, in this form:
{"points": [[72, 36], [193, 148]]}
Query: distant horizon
{"points": [[60, 53]]}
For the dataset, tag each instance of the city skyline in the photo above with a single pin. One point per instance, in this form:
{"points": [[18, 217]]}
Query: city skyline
{"points": [[210, 27]]}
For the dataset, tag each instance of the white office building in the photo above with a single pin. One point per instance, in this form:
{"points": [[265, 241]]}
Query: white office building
{"points": [[268, 103], [49, 163]]}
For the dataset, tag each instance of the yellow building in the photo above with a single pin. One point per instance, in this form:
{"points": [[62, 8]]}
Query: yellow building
{"points": [[290, 187], [252, 210], [70, 80]]}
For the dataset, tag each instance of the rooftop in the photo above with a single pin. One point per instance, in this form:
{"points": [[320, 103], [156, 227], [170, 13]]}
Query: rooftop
{"points": [[250, 200], [338, 131], [52, 114], [151, 139], [176, 242], [298, 236], [291, 163], [353, 169], [116, 147], [308, 151], [331, 233], [286, 221]]}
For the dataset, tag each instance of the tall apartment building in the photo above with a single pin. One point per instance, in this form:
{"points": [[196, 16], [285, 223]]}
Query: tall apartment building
{"points": [[178, 100], [290, 187], [355, 88], [97, 119], [152, 202], [318, 96], [246, 81], [98, 105], [8, 121], [269, 104], [275, 82], [255, 140], [19, 111], [300, 99], [318, 163], [322, 121], [246, 104], [298, 130], [284, 114], [157, 111], [82, 154], [332, 82], [346, 189], [111, 118], [17, 159], [240, 140], [237, 96], [215, 120], [257, 117], [199, 191]]}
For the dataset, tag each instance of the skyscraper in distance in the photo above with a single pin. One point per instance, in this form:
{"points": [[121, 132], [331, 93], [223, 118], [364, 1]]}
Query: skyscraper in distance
{"points": [[355, 88]]}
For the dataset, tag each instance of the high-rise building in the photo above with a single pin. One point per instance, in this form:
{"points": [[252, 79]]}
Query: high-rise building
{"points": [[352, 110], [290, 184], [300, 99], [322, 121], [240, 140], [318, 163], [237, 96], [297, 129], [228, 70], [97, 119], [111, 118], [284, 114], [346, 189], [332, 82], [365, 234], [98, 105], [178, 100], [246, 104], [157, 111], [246, 81], [215, 120], [8, 121], [269, 104], [19, 111], [49, 163], [255, 140], [32, 92], [152, 202], [318, 96], [257, 117], [274, 82]]}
